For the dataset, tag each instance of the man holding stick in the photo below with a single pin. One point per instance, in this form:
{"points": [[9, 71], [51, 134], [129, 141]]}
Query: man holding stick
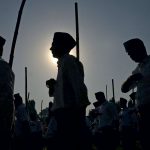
{"points": [[70, 95]]}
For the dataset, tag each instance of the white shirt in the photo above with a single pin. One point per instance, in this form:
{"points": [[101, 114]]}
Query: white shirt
{"points": [[128, 118], [70, 90], [21, 116], [108, 114], [143, 86]]}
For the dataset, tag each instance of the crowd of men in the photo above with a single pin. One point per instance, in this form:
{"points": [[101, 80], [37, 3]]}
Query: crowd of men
{"points": [[107, 126]]}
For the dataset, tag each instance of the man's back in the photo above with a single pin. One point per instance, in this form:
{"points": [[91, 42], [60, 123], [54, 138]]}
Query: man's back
{"points": [[6, 79]]}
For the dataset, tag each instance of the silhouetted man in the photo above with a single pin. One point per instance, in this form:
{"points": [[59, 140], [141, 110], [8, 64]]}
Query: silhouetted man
{"points": [[127, 126], [105, 136], [6, 100], [70, 94], [22, 126], [140, 78]]}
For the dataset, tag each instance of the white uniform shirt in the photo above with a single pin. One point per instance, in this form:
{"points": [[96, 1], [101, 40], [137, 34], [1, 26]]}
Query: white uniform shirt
{"points": [[108, 114], [21, 116], [143, 86], [128, 118], [70, 90]]}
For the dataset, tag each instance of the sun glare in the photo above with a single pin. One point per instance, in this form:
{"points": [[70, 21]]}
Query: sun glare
{"points": [[73, 52], [52, 60], [49, 58]]}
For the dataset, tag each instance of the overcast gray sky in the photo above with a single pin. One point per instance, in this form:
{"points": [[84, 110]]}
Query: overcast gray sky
{"points": [[103, 24]]}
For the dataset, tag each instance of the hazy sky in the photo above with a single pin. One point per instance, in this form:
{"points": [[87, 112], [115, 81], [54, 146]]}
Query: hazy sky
{"points": [[103, 24]]}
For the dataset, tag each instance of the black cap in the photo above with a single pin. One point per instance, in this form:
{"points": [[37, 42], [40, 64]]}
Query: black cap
{"points": [[63, 40], [50, 82], [134, 44], [100, 94]]}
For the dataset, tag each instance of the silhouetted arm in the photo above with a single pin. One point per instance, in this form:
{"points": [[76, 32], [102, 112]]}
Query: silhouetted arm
{"points": [[131, 82]]}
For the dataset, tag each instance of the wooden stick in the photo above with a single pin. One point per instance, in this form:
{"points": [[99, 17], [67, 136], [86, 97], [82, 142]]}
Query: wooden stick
{"points": [[113, 88], [77, 30], [106, 92], [26, 90], [28, 95], [41, 109], [16, 33]]}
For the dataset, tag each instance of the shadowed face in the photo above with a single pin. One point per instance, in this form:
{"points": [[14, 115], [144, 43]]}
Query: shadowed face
{"points": [[62, 44], [136, 50], [137, 55], [58, 50]]}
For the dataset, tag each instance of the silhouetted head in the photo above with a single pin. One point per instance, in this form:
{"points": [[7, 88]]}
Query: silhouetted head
{"points": [[17, 100], [135, 49], [123, 102], [32, 103], [51, 86], [62, 44], [100, 96], [2, 42]]}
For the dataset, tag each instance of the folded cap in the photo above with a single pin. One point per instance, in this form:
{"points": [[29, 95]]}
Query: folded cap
{"points": [[63, 40], [50, 82], [100, 94], [133, 44]]}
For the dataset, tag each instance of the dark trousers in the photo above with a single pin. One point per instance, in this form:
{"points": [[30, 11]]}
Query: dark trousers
{"points": [[72, 131], [106, 139], [128, 138], [144, 126], [6, 123]]}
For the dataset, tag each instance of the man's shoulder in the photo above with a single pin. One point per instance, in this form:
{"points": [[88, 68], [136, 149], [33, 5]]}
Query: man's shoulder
{"points": [[5, 68], [69, 60]]}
